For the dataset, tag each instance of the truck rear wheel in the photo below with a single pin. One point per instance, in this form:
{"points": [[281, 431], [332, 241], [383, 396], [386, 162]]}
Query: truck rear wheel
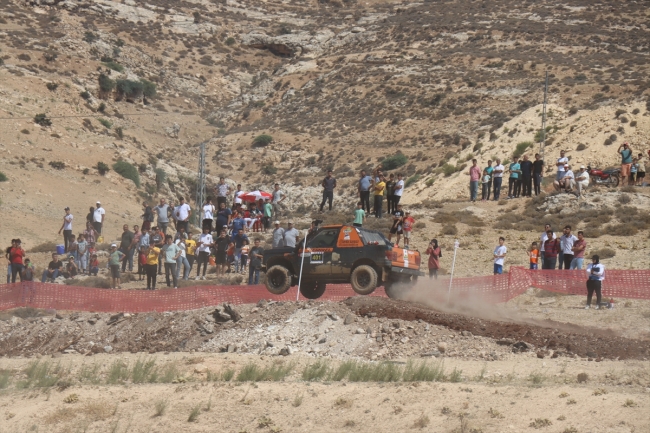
{"points": [[278, 279], [312, 289], [364, 280]]}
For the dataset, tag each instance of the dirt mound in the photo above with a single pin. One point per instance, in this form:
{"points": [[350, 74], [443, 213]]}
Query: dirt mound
{"points": [[548, 338]]}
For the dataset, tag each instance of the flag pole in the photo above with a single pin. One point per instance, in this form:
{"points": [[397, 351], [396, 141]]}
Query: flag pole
{"points": [[302, 263], [453, 264]]}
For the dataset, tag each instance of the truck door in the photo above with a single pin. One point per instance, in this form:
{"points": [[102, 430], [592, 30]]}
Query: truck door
{"points": [[317, 259]]}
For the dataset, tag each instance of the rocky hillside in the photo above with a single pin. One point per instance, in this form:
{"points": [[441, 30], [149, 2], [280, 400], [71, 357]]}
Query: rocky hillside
{"points": [[335, 83]]}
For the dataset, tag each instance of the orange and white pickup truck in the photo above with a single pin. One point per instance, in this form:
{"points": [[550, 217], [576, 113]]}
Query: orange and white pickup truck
{"points": [[336, 254]]}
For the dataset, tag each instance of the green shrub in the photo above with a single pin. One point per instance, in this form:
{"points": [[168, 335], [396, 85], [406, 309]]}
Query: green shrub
{"points": [[90, 37], [148, 88], [105, 83], [58, 165], [111, 64], [52, 86], [269, 169], [85, 94], [262, 140], [42, 119], [129, 88], [102, 168], [411, 180], [107, 124], [230, 41], [160, 177], [50, 56], [394, 161], [3, 177], [448, 169], [128, 171], [521, 148], [101, 107], [119, 132]]}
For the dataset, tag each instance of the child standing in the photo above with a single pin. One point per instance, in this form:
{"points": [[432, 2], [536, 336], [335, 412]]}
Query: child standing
{"points": [[407, 226], [359, 215], [485, 181], [533, 254], [244, 255]]}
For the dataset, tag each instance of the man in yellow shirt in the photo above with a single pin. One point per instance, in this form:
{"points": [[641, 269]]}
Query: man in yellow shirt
{"points": [[379, 188], [151, 267], [190, 244]]}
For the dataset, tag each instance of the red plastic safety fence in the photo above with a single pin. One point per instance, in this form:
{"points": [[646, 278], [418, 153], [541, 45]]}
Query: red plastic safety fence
{"points": [[492, 288]]}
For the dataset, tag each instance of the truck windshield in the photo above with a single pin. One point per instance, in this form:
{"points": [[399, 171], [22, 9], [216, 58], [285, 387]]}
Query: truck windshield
{"points": [[326, 238], [371, 237]]}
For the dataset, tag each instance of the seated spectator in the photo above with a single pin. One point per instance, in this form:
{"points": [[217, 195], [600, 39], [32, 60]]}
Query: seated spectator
{"points": [[53, 269], [94, 265], [582, 180], [567, 182], [71, 269]]}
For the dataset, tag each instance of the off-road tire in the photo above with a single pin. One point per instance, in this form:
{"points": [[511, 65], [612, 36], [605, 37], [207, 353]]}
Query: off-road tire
{"points": [[312, 289], [389, 288], [278, 279], [363, 280]]}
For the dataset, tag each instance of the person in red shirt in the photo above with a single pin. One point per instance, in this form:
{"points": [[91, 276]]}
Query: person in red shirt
{"points": [[474, 177], [407, 227], [16, 255], [434, 253], [551, 250]]}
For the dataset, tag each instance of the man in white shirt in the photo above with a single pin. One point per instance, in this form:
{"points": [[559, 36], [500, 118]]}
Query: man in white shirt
{"points": [[290, 235], [278, 235], [567, 181], [98, 218], [499, 254], [66, 227], [223, 189], [203, 248], [238, 194], [497, 178], [278, 197], [566, 243], [208, 214], [398, 190], [596, 275], [582, 180], [561, 162], [543, 238], [183, 213]]}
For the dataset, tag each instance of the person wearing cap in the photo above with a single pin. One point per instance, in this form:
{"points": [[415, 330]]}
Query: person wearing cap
{"points": [[561, 162], [114, 259], [98, 218], [407, 227], [595, 277], [290, 235], [567, 182], [278, 235], [626, 162], [582, 180], [66, 227]]}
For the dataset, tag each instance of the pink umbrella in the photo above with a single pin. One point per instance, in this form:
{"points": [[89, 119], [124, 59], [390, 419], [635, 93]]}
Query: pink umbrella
{"points": [[254, 196]]}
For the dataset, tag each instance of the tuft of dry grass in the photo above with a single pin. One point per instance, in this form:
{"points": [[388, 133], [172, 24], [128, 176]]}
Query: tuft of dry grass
{"points": [[297, 400], [343, 403], [61, 415], [629, 403], [421, 422], [540, 423], [161, 407], [194, 413], [72, 398], [99, 410]]}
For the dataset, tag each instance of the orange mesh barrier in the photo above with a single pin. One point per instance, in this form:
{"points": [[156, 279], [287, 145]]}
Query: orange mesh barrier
{"points": [[492, 288]]}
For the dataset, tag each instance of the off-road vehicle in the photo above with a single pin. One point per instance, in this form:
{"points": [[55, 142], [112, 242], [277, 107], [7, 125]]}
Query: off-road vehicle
{"points": [[336, 254]]}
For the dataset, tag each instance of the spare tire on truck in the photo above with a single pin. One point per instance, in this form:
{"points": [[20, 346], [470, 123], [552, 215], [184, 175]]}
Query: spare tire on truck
{"points": [[278, 279], [364, 279]]}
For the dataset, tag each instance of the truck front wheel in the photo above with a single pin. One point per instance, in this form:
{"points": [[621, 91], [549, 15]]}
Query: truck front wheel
{"points": [[278, 279], [364, 280], [312, 289]]}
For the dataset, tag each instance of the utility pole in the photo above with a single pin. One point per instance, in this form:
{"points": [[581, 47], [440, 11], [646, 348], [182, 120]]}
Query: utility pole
{"points": [[200, 186], [543, 142]]}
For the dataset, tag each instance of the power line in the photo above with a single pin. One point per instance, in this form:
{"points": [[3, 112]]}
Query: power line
{"points": [[90, 115]]}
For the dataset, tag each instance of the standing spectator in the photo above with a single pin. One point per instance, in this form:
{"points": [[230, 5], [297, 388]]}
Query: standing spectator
{"points": [[27, 273], [497, 178], [163, 211], [474, 177], [596, 275], [278, 197], [114, 259], [278, 235], [578, 249], [82, 253], [363, 186], [566, 242], [190, 252], [53, 269], [145, 239], [513, 182], [390, 185], [72, 247], [489, 169], [582, 180], [533, 256], [127, 247], [172, 253], [551, 250], [626, 162], [208, 213], [359, 215], [244, 256], [434, 253], [8, 257], [183, 214], [239, 239], [223, 190], [486, 181], [90, 234], [256, 255], [203, 247], [147, 215], [633, 169], [98, 218], [157, 239], [268, 212], [407, 227], [238, 222], [221, 244], [538, 173], [16, 255], [398, 190], [254, 215], [172, 215], [66, 227], [379, 188], [560, 164], [396, 227], [290, 236], [152, 254], [640, 174], [237, 195], [499, 255], [91, 215], [526, 178], [328, 184], [224, 216]]}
